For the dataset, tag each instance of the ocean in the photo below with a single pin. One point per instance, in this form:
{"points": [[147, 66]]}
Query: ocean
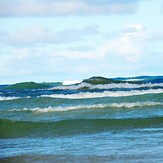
{"points": [[97, 120]]}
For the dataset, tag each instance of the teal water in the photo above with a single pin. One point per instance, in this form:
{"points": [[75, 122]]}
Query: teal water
{"points": [[113, 122]]}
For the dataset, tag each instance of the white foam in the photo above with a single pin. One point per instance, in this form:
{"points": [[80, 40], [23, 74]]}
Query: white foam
{"points": [[83, 95], [69, 82], [135, 104], [71, 87], [133, 80], [99, 106], [2, 98], [8, 98], [107, 86]]}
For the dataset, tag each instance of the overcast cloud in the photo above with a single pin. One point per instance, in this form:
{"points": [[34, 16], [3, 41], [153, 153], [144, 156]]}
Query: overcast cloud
{"points": [[66, 7], [40, 35]]}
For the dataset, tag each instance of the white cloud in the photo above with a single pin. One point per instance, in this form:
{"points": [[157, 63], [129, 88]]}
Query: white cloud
{"points": [[2, 67], [40, 35], [129, 45], [27, 36], [133, 29], [65, 7], [74, 55], [125, 53]]}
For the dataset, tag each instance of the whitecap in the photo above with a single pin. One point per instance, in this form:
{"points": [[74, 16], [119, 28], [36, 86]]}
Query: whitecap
{"points": [[106, 86], [84, 95], [2, 98], [99, 106]]}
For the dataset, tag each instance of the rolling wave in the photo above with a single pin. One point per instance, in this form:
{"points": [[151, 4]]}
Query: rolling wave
{"points": [[99, 106], [13, 129], [107, 86], [84, 95]]}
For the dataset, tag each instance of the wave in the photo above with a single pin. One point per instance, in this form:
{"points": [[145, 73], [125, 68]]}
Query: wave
{"points": [[2, 98], [13, 129], [99, 106], [8, 98], [84, 95], [106, 86]]}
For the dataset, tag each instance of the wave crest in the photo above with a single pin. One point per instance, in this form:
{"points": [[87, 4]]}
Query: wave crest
{"points": [[2, 98], [15, 129], [99, 106], [106, 86], [83, 95]]}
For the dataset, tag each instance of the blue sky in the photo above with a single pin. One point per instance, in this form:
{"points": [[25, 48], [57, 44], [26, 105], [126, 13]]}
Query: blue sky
{"points": [[58, 40]]}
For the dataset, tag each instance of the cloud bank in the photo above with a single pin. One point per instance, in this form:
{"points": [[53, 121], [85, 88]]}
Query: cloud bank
{"points": [[39, 35], [128, 49], [130, 44], [66, 7]]}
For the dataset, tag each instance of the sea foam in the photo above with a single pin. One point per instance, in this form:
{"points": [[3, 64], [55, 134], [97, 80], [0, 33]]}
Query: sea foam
{"points": [[106, 86], [2, 98], [84, 95], [99, 106]]}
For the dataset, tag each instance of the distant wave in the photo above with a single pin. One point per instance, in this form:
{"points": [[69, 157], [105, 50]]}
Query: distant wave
{"points": [[2, 98], [8, 98], [83, 95], [106, 86], [100, 106]]}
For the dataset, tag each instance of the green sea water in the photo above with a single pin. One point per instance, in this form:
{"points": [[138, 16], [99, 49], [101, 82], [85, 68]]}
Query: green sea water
{"points": [[87, 122]]}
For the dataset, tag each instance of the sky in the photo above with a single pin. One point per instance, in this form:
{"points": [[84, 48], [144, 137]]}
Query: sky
{"points": [[61, 40]]}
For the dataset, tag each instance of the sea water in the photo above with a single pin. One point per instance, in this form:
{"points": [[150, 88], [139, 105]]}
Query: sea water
{"points": [[82, 123]]}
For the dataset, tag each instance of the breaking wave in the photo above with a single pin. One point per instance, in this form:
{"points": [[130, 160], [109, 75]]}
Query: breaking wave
{"points": [[8, 98], [100, 106], [2, 98], [83, 95], [106, 86]]}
